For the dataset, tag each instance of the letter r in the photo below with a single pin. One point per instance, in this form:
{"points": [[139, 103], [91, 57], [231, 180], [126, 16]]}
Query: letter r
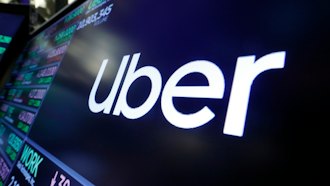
{"points": [[247, 69]]}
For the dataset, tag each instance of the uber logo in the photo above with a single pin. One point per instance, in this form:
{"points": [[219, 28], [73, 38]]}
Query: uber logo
{"points": [[247, 69]]}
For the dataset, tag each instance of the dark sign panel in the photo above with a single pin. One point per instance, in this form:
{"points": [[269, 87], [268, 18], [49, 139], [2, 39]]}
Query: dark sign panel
{"points": [[168, 93]]}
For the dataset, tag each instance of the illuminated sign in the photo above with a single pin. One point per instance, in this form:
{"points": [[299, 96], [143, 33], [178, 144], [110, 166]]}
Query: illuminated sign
{"points": [[4, 169], [31, 160], [2, 50], [26, 96], [37, 77], [65, 35], [168, 87], [96, 18], [15, 143], [10, 143], [17, 117], [11, 21], [74, 14], [22, 163], [57, 51], [5, 39], [36, 168], [247, 69], [95, 4]]}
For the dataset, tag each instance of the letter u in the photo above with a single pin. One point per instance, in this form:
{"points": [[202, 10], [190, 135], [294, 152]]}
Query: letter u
{"points": [[106, 105]]}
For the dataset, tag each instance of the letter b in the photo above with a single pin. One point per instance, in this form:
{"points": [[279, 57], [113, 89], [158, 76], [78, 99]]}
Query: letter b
{"points": [[156, 82]]}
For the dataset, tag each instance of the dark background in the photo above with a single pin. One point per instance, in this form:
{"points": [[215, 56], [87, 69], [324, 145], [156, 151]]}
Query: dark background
{"points": [[284, 138], [13, 23]]}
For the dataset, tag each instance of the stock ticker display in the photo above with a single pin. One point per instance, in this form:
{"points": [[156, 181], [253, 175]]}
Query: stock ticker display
{"points": [[22, 161], [140, 93]]}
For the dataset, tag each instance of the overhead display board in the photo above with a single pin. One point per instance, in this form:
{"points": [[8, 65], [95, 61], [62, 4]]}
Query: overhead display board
{"points": [[167, 93]]}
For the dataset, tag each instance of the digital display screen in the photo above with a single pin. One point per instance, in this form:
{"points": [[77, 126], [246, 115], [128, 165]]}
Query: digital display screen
{"points": [[23, 162], [10, 23], [168, 93]]}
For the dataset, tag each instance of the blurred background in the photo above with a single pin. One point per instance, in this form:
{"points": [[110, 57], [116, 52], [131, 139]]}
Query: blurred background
{"points": [[41, 10]]}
